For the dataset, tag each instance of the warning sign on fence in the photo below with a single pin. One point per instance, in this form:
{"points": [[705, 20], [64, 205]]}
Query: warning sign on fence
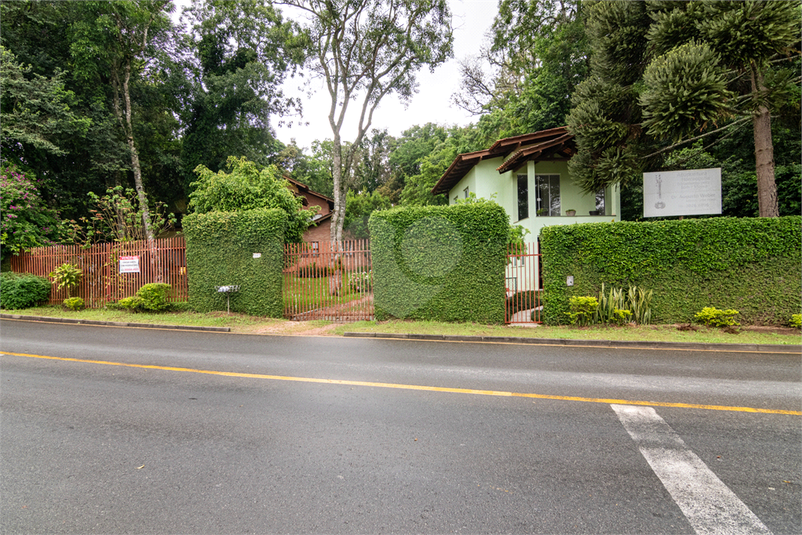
{"points": [[129, 264]]}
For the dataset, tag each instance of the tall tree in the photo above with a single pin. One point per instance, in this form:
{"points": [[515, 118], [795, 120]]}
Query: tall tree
{"points": [[121, 32], [365, 50], [523, 81], [240, 55], [667, 73]]}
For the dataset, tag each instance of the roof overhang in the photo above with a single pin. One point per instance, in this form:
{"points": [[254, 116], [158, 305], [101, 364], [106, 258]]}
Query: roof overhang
{"points": [[552, 144]]}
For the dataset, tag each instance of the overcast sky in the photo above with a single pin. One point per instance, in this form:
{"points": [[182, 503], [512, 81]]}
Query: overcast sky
{"points": [[471, 20]]}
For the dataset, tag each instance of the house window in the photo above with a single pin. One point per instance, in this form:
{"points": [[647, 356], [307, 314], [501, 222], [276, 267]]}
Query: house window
{"points": [[523, 197], [547, 189], [600, 195], [465, 192], [315, 249]]}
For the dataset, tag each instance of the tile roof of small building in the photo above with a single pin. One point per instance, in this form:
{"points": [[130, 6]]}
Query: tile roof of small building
{"points": [[552, 144]]}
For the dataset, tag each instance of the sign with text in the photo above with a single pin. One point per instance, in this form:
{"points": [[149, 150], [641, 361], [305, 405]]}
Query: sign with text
{"points": [[129, 264], [670, 193]]}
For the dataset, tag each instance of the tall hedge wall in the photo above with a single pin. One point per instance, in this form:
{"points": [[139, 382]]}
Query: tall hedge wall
{"points": [[221, 250], [749, 264], [443, 263]]}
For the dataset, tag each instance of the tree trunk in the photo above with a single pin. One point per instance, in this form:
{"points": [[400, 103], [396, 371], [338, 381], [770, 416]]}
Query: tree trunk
{"points": [[335, 232], [140, 190], [764, 154]]}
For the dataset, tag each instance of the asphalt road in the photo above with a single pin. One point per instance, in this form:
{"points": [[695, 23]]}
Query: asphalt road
{"points": [[157, 431]]}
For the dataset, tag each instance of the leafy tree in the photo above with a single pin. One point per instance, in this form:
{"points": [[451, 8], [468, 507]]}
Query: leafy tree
{"points": [[358, 209], [241, 54], [365, 50], [674, 72], [372, 168], [537, 57], [118, 217], [25, 220], [246, 187], [36, 109], [417, 191], [314, 170], [119, 33]]}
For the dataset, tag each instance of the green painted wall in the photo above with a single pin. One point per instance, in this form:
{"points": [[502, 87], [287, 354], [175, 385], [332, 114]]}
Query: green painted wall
{"points": [[485, 181]]}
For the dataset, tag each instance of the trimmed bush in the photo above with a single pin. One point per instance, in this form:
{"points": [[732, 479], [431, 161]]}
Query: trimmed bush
{"points": [[750, 264], [442, 263], [73, 303], [236, 248], [154, 296], [133, 303], [713, 317], [22, 290]]}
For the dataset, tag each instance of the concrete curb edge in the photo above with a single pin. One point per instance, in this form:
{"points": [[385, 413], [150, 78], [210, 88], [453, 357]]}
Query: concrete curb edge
{"points": [[116, 323], [762, 348]]}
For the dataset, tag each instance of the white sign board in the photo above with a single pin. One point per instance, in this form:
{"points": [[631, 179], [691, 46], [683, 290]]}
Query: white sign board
{"points": [[669, 193], [129, 264]]}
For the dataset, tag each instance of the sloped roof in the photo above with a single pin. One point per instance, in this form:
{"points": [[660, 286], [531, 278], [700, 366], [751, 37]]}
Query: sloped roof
{"points": [[551, 144]]}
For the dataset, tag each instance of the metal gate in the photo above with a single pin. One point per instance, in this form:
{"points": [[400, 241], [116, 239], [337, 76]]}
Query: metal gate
{"points": [[328, 280], [523, 281]]}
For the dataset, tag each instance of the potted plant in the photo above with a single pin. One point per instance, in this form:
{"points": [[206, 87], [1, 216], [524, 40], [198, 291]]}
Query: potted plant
{"points": [[543, 212], [570, 213]]}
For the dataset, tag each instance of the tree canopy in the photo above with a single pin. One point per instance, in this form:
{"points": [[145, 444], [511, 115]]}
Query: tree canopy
{"points": [[666, 73]]}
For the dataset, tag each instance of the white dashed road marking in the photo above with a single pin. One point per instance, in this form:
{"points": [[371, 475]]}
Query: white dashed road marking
{"points": [[708, 504]]}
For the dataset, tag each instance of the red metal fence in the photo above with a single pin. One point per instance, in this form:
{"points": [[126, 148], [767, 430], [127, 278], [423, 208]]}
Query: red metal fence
{"points": [[523, 282], [328, 280], [112, 271]]}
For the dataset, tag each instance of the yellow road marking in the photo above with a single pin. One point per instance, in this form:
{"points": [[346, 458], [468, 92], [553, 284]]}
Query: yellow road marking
{"points": [[415, 387]]}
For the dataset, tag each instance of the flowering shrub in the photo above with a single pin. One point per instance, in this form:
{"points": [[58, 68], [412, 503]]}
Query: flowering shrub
{"points": [[25, 220]]}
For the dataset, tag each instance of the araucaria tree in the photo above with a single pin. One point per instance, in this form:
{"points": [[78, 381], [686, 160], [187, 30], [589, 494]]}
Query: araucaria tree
{"points": [[364, 50], [666, 73]]}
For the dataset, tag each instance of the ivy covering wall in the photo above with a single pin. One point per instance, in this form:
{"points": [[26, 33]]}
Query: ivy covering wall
{"points": [[748, 264], [443, 263], [236, 248]]}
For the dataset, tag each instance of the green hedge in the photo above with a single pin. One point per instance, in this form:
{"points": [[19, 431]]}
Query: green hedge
{"points": [[749, 264], [220, 252], [22, 290], [443, 263]]}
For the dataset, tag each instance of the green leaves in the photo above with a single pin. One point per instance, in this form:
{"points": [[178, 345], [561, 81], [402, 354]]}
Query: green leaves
{"points": [[221, 249], [248, 187], [442, 263], [751, 264], [686, 90]]}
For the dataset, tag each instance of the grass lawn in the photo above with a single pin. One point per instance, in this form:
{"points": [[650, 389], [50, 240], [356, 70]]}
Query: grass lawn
{"points": [[243, 324]]}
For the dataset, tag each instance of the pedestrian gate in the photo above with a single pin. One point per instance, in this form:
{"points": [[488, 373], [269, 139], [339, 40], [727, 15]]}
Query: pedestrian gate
{"points": [[523, 282]]}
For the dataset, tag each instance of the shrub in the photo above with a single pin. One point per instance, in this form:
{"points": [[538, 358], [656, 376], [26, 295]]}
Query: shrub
{"points": [[713, 317], [66, 276], [154, 296], [582, 309], [241, 248], [442, 263], [22, 290], [618, 306], [74, 303], [133, 303], [796, 321], [751, 264]]}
